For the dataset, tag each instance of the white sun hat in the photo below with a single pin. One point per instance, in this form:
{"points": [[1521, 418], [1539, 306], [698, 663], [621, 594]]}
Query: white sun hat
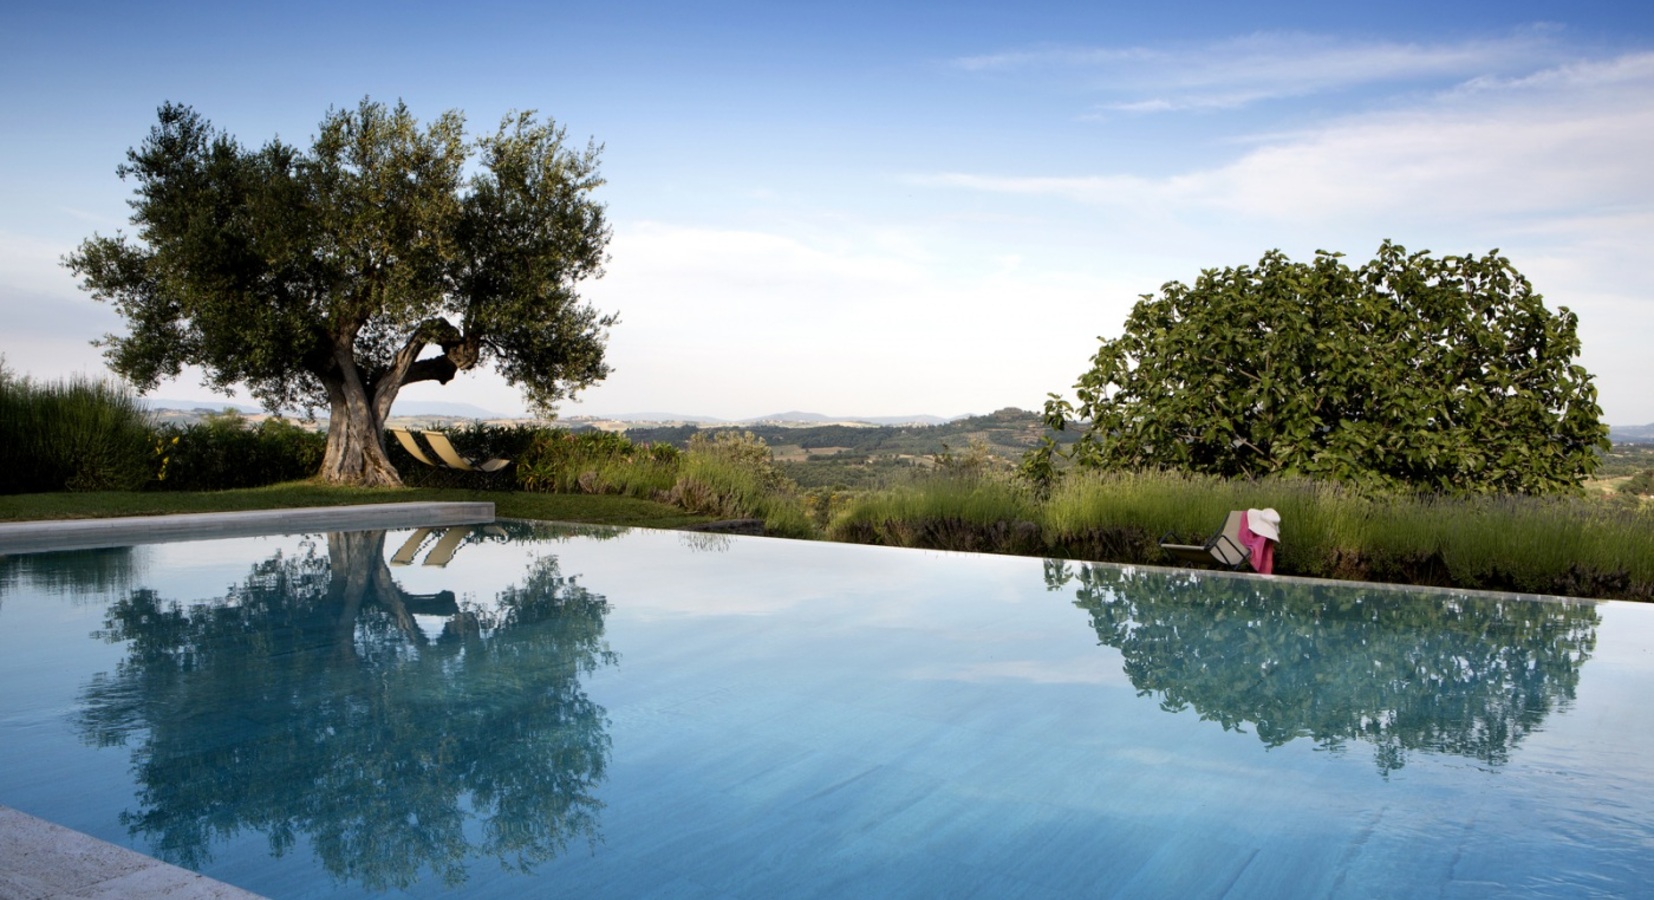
{"points": [[1265, 523]]}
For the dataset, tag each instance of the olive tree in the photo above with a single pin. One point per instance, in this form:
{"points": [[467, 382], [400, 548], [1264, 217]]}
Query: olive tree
{"points": [[376, 259], [1444, 374]]}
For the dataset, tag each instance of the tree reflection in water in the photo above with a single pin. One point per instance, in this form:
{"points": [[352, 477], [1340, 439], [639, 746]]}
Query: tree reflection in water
{"points": [[309, 704], [1401, 670]]}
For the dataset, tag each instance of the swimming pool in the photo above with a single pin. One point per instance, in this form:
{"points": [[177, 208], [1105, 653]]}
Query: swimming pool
{"points": [[519, 709]]}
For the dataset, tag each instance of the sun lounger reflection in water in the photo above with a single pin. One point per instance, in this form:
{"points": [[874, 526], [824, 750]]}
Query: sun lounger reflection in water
{"points": [[447, 542]]}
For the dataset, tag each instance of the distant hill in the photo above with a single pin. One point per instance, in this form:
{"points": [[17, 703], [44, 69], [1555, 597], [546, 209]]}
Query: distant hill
{"points": [[650, 417], [217, 404], [862, 454], [1008, 431], [791, 417], [910, 420], [402, 408], [444, 408], [1631, 434]]}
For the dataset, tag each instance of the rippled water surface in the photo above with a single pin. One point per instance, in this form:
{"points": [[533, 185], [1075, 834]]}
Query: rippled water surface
{"points": [[520, 710]]}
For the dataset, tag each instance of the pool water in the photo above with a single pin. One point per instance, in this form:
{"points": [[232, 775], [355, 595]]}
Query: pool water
{"points": [[526, 710]]}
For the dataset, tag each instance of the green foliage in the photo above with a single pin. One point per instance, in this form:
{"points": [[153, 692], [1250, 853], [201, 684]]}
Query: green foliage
{"points": [[75, 434], [727, 476], [226, 451], [1551, 545], [596, 462], [987, 515], [1626, 459], [1006, 431], [1639, 485], [733, 476], [977, 460], [1437, 374], [847, 471], [969, 501], [319, 277], [825, 504], [876, 457], [1557, 545]]}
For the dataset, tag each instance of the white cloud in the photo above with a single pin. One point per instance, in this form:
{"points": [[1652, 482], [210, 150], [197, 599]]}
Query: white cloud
{"points": [[1238, 72], [1632, 70], [1562, 140]]}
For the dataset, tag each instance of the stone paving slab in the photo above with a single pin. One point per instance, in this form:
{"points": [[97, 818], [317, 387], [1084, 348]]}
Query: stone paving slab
{"points": [[39, 860], [84, 534]]}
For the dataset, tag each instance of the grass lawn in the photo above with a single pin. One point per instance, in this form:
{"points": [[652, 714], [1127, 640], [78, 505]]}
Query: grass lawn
{"points": [[598, 509]]}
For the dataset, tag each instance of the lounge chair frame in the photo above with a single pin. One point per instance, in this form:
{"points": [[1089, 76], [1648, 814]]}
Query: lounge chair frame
{"points": [[1224, 547]]}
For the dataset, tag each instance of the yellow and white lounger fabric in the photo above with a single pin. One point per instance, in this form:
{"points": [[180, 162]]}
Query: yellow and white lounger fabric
{"points": [[446, 456]]}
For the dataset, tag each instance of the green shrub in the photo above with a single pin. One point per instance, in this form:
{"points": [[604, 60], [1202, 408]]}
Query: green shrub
{"points": [[1639, 485], [825, 504], [733, 476], [226, 451], [76, 434], [596, 462], [727, 475], [955, 508]]}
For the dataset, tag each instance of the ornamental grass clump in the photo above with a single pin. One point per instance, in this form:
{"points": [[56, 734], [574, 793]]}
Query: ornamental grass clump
{"points": [[1552, 545], [946, 514], [596, 462], [959, 507], [74, 434], [733, 476]]}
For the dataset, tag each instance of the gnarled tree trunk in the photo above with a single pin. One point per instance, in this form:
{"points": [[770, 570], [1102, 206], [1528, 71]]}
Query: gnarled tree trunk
{"points": [[355, 431], [360, 404]]}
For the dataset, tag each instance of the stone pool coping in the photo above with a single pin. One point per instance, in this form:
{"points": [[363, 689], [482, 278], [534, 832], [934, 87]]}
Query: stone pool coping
{"points": [[39, 859], [122, 531]]}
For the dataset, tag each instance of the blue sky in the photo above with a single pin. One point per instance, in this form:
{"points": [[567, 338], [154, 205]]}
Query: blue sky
{"points": [[884, 209]]}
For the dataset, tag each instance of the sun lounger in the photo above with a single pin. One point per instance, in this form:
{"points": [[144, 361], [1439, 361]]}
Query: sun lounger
{"points": [[1223, 548], [446, 456], [412, 446], [451, 458]]}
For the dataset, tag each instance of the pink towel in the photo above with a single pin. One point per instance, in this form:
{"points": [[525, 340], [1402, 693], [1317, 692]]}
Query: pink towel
{"points": [[1263, 549]]}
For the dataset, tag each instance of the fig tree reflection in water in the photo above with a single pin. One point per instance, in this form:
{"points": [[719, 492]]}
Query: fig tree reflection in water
{"points": [[309, 703], [1401, 670]]}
